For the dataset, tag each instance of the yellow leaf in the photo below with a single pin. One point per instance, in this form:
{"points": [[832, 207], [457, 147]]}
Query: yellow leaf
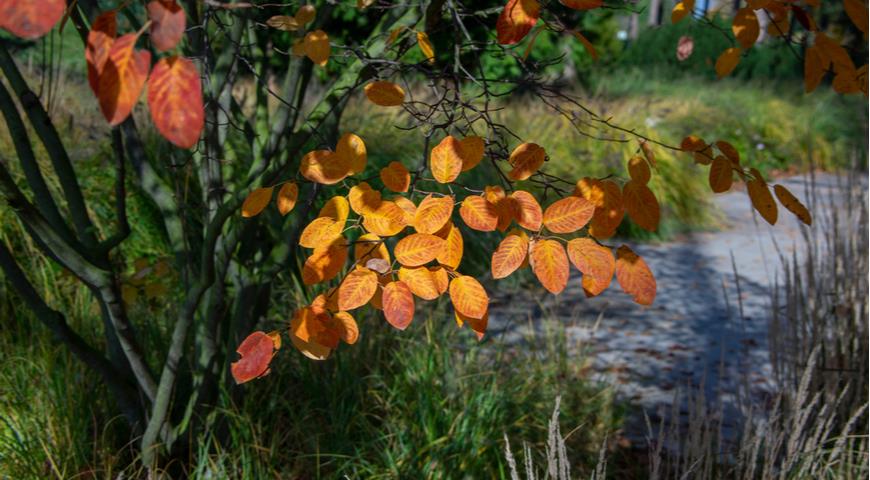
{"points": [[287, 196], [357, 289], [316, 46], [385, 94], [727, 61], [607, 198], [451, 255], [325, 263], [425, 283], [568, 214], [478, 214], [471, 150], [634, 276], [510, 254], [549, 263], [387, 220], [526, 159], [336, 208], [445, 161], [516, 20], [792, 204], [468, 297], [370, 246], [594, 261], [418, 249], [323, 166], [363, 199], [433, 213], [426, 46], [641, 205], [256, 202], [396, 177], [352, 151], [321, 231]]}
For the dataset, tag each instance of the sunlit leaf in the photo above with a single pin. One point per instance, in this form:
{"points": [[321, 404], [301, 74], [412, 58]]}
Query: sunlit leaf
{"points": [[99, 43], [510, 254], [256, 201], [418, 249], [634, 276], [30, 19], [321, 231], [324, 166], [385, 94], [445, 161], [568, 214], [352, 151], [451, 254], [516, 20], [427, 283], [468, 296], [721, 175], [370, 246], [387, 220], [594, 261], [471, 149], [175, 101], [433, 213], [528, 211], [638, 169], [306, 14], [287, 196], [478, 213], [347, 328], [255, 352], [398, 302], [122, 79], [324, 263], [549, 262], [357, 288], [396, 177], [316, 47], [426, 46], [526, 159]]}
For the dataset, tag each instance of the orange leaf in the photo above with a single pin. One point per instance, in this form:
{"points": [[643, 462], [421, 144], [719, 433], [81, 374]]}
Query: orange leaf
{"points": [[370, 246], [433, 213], [418, 248], [761, 199], [549, 262], [693, 143], [815, 67], [426, 46], [357, 289], [478, 214], [30, 19], [427, 283], [582, 4], [175, 101], [792, 204], [287, 196], [324, 166], [398, 304], [638, 170], [256, 352], [445, 162], [516, 20], [681, 10], [510, 254], [648, 153], [526, 160], [409, 210], [387, 220], [590, 49], [305, 14], [321, 231], [122, 79], [857, 12], [594, 261], [528, 210], [100, 40], [385, 94], [745, 27], [472, 150], [325, 263], [477, 325], [316, 47], [396, 177], [729, 151], [451, 254], [634, 276], [167, 24], [641, 205], [352, 149], [720, 174], [568, 214], [727, 61], [256, 202], [363, 199], [336, 208], [468, 297], [346, 326], [607, 198]]}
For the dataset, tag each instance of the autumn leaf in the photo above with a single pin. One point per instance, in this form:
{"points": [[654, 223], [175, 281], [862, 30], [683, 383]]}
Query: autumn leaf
{"points": [[167, 24], [305, 14], [433, 213], [426, 46], [510, 254], [516, 20], [352, 151], [477, 325], [549, 263], [761, 199], [648, 152], [681, 10], [99, 43], [468, 297], [385, 94], [745, 27], [256, 352], [427, 283], [357, 288], [283, 22], [386, 220], [287, 196], [478, 213], [316, 47], [729, 151], [634, 276], [727, 61], [526, 159], [641, 205], [396, 177], [528, 210], [348, 331], [857, 12], [607, 198], [568, 214], [325, 263], [582, 4], [471, 150], [363, 198], [590, 49], [398, 302], [321, 231], [30, 19], [594, 261], [792, 204], [409, 210], [324, 166], [638, 170], [175, 101], [418, 249], [370, 246], [122, 79], [256, 201], [451, 254], [445, 161], [720, 174]]}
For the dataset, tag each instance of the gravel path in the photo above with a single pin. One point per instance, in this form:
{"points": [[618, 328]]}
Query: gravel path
{"points": [[699, 330]]}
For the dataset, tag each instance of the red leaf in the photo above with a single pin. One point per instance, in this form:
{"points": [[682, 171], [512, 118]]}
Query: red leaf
{"points": [[175, 101], [100, 40], [516, 20], [256, 353], [122, 79], [167, 24], [30, 19]]}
